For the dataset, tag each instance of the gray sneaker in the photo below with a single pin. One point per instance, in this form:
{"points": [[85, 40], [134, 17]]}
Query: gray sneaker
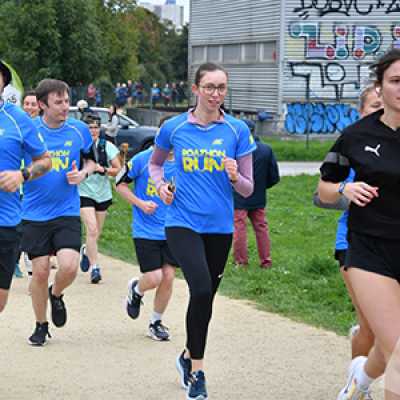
{"points": [[157, 331], [133, 301]]}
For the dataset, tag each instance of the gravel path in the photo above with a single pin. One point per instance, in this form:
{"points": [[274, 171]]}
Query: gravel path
{"points": [[102, 354]]}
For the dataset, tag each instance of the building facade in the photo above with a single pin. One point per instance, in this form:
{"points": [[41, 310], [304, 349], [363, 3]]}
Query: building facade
{"points": [[304, 61], [169, 11]]}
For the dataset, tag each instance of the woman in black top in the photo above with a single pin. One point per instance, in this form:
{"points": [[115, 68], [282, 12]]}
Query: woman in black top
{"points": [[371, 147]]}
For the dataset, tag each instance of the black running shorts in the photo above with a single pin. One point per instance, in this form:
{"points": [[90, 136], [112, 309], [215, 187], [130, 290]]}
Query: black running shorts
{"points": [[340, 255], [42, 238], [87, 202], [9, 250], [374, 254], [153, 254]]}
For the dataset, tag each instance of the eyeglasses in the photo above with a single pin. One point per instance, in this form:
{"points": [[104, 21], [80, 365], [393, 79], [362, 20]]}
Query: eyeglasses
{"points": [[209, 89]]}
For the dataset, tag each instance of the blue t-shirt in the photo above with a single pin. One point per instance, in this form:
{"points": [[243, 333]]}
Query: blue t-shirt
{"points": [[203, 200], [155, 93], [52, 196], [341, 233], [18, 135], [146, 226]]}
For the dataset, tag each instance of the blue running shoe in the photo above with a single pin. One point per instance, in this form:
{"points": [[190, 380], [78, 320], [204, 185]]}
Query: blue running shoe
{"points": [[85, 264], [197, 387], [17, 271], [96, 276], [184, 367], [133, 301]]}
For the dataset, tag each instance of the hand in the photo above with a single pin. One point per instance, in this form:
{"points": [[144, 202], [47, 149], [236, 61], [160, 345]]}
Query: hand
{"points": [[75, 177], [360, 193], [148, 207], [10, 181], [166, 195], [105, 127], [230, 166], [99, 168]]}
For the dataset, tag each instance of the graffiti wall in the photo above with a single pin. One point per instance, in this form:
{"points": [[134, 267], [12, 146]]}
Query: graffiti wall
{"points": [[329, 46]]}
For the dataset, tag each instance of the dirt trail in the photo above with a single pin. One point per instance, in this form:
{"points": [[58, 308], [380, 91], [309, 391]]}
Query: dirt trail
{"points": [[103, 354]]}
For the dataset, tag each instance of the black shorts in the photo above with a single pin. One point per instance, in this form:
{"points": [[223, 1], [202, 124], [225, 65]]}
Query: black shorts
{"points": [[153, 254], [374, 254], [10, 238], [86, 202], [340, 255], [42, 238]]}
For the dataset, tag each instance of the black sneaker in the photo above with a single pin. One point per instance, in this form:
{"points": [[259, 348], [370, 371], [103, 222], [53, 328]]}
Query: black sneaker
{"points": [[184, 366], [38, 337], [58, 310], [133, 301], [197, 387], [157, 331]]}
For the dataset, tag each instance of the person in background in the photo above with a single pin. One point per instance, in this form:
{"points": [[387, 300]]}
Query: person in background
{"points": [[91, 95], [181, 92], [139, 93], [155, 94], [19, 138], [112, 126], [83, 108], [166, 94], [265, 175], [130, 89], [116, 91], [174, 94], [371, 147], [212, 154], [156, 261], [96, 196], [123, 94]]}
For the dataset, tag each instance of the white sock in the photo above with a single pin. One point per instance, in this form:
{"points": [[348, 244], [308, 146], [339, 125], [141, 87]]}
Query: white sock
{"points": [[156, 317], [137, 291], [94, 266], [363, 380]]}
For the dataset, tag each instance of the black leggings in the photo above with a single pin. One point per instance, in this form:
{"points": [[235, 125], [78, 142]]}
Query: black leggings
{"points": [[202, 258]]}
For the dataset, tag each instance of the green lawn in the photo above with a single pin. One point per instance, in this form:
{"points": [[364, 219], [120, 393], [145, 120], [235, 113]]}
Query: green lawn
{"points": [[296, 150], [304, 282]]}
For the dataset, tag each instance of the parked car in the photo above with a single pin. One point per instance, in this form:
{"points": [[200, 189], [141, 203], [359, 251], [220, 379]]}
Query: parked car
{"points": [[139, 137]]}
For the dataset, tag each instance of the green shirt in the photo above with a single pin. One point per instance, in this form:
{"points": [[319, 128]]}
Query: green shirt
{"points": [[97, 187]]}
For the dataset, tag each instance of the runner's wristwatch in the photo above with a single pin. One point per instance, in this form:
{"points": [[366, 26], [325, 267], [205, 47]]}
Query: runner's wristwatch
{"points": [[341, 188], [25, 173]]}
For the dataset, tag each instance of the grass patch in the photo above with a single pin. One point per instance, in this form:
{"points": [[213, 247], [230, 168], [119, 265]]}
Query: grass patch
{"points": [[304, 282], [296, 150]]}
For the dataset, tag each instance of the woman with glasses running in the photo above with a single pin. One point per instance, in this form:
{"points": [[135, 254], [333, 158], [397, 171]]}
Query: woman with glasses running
{"points": [[212, 155]]}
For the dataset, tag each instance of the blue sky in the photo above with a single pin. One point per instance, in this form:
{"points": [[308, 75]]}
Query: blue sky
{"points": [[184, 3]]}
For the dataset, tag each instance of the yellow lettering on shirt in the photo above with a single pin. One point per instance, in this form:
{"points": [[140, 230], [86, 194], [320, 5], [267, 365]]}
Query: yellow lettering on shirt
{"points": [[58, 163], [151, 188]]}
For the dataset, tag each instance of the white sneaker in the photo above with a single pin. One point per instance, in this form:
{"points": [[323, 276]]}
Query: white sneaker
{"points": [[352, 331], [351, 391]]}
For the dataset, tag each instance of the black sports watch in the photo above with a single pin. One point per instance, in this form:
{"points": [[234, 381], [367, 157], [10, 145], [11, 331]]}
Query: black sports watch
{"points": [[105, 170], [25, 173], [341, 188]]}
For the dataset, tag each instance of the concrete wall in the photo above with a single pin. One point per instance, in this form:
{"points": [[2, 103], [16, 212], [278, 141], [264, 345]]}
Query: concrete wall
{"points": [[143, 116]]}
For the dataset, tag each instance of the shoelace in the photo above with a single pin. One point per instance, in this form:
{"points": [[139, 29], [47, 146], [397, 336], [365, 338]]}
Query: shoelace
{"points": [[160, 327], [59, 305]]}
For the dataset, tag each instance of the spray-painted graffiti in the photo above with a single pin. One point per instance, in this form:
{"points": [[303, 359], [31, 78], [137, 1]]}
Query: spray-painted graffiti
{"points": [[366, 40], [345, 7], [322, 118]]}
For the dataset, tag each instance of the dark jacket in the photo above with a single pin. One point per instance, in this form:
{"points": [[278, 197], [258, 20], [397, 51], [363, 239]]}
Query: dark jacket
{"points": [[265, 175]]}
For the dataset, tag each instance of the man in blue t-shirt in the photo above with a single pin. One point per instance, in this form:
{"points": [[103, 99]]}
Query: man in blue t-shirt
{"points": [[51, 206], [265, 175], [156, 260], [18, 136]]}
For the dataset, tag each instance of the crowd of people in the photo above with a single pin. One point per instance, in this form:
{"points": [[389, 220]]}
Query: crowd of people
{"points": [[175, 225]]}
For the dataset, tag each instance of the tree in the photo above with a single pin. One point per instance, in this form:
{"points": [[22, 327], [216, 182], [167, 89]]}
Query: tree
{"points": [[51, 39]]}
